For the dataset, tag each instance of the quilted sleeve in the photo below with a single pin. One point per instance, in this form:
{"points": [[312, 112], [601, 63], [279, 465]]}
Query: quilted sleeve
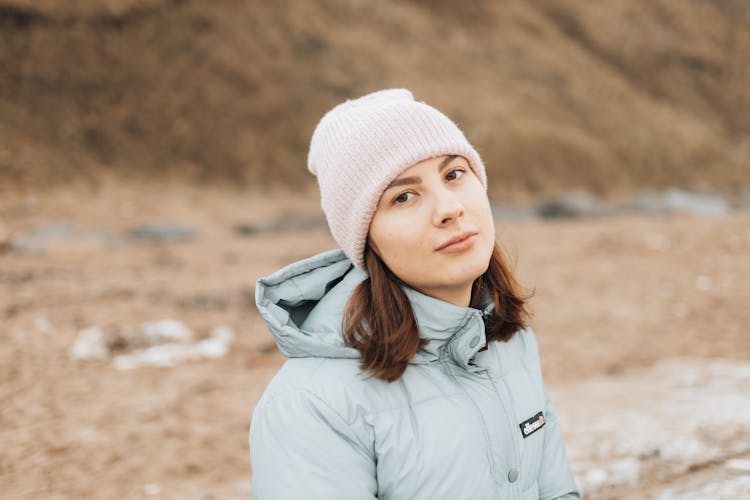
{"points": [[301, 448]]}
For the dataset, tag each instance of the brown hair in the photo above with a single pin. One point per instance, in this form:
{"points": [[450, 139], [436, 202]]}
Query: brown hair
{"points": [[380, 324]]}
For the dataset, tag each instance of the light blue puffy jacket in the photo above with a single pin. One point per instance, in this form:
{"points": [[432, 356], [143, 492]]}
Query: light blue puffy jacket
{"points": [[459, 424]]}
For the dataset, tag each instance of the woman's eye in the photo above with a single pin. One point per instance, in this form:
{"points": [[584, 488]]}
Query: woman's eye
{"points": [[455, 174], [402, 198]]}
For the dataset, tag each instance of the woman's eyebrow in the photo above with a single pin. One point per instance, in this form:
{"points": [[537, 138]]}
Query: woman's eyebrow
{"points": [[446, 162], [404, 180], [417, 180]]}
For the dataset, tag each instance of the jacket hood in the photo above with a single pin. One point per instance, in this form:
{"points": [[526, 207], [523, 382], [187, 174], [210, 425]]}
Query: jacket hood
{"points": [[303, 305]]}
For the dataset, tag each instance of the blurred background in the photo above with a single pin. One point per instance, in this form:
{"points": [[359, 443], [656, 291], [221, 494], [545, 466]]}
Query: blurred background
{"points": [[153, 166]]}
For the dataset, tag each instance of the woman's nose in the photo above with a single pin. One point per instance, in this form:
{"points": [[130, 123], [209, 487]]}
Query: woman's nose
{"points": [[447, 211]]}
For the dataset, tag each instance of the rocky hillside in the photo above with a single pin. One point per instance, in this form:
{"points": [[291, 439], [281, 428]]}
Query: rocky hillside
{"points": [[556, 94]]}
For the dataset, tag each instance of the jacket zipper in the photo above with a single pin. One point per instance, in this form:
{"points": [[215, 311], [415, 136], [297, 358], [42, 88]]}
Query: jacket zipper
{"points": [[478, 412], [486, 315], [508, 418]]}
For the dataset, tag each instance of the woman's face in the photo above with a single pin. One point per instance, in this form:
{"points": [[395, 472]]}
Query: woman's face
{"points": [[433, 228]]}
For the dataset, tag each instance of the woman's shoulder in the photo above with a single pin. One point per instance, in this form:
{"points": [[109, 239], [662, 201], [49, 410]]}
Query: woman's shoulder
{"points": [[315, 373], [309, 405], [519, 352], [528, 343], [338, 383]]}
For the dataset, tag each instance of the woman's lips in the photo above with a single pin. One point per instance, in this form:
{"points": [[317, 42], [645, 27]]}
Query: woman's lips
{"points": [[461, 244]]}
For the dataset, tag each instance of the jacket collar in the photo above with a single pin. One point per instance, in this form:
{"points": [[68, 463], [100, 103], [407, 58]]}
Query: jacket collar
{"points": [[449, 330], [303, 306]]}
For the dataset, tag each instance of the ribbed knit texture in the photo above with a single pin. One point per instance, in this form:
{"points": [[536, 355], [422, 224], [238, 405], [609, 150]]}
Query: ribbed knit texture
{"points": [[360, 146]]}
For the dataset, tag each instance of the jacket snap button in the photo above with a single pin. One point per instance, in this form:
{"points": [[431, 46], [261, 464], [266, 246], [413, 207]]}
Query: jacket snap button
{"points": [[474, 342], [512, 475]]}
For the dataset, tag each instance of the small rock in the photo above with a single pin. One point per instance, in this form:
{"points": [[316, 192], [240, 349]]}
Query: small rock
{"points": [[90, 345], [285, 223], [507, 212], [164, 355], [626, 471], [217, 345], [575, 204], [696, 203], [43, 325], [649, 202], [166, 330], [24, 245], [738, 465], [152, 489], [212, 348], [703, 283], [742, 200], [162, 233], [677, 201], [595, 477], [224, 333], [110, 239], [34, 241]]}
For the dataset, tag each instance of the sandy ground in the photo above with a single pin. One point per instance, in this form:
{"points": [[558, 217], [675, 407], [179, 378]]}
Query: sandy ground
{"points": [[614, 297]]}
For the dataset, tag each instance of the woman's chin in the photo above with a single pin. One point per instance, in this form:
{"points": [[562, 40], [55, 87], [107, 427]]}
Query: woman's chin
{"points": [[469, 265], [461, 274]]}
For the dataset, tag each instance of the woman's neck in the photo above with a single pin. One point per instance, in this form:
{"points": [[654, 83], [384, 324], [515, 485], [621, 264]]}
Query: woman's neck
{"points": [[456, 295]]}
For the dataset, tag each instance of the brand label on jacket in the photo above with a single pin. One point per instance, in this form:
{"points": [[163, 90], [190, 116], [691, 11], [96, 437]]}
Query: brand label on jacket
{"points": [[530, 426]]}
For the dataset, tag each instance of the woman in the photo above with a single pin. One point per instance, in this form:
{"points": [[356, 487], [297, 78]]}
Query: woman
{"points": [[411, 371]]}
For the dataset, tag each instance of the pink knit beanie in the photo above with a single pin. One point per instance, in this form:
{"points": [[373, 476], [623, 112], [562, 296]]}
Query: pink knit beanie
{"points": [[360, 146]]}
